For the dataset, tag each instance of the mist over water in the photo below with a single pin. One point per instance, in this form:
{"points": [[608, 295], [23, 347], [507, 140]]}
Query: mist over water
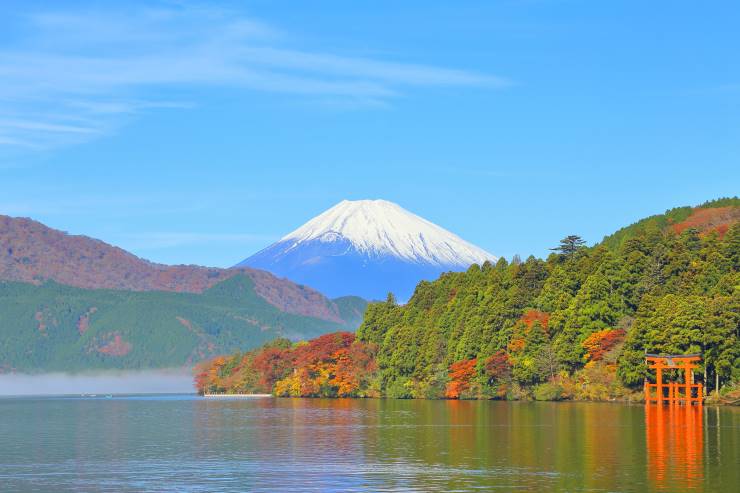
{"points": [[105, 382]]}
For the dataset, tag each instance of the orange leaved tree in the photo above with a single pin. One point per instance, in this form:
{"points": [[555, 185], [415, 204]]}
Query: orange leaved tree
{"points": [[461, 373]]}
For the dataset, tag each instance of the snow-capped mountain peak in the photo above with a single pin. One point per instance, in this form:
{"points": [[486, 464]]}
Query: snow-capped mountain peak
{"points": [[379, 227], [367, 248]]}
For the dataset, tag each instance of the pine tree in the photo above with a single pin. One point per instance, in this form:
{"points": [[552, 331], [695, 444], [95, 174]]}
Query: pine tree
{"points": [[569, 245]]}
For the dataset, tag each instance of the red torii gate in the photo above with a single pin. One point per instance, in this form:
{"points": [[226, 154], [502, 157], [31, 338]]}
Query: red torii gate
{"points": [[686, 362]]}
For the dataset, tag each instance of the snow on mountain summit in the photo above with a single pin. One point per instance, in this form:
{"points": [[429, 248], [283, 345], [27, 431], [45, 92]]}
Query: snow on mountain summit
{"points": [[379, 227], [366, 248]]}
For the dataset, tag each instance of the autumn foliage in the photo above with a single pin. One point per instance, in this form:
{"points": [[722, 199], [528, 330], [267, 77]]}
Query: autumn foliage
{"points": [[498, 366], [523, 329], [461, 373], [333, 365], [532, 316], [601, 342], [709, 219], [116, 347]]}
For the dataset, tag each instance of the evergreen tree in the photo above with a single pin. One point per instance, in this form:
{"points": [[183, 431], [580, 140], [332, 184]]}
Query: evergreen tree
{"points": [[598, 305], [569, 245]]}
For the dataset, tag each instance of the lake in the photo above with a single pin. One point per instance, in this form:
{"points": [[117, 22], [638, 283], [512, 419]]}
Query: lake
{"points": [[190, 444]]}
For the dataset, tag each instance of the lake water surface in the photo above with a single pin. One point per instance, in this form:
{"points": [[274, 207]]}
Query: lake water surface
{"points": [[190, 444]]}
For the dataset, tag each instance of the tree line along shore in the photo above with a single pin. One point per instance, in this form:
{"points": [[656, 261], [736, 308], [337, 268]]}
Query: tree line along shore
{"points": [[573, 326]]}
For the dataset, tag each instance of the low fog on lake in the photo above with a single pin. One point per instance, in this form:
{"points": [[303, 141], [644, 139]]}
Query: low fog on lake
{"points": [[107, 382]]}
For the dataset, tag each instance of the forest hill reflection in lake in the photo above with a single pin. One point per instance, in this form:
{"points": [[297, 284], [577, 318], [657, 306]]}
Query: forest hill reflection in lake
{"points": [[188, 443]]}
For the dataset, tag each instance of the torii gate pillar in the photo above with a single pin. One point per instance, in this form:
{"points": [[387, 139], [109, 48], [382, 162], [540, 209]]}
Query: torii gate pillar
{"points": [[686, 362]]}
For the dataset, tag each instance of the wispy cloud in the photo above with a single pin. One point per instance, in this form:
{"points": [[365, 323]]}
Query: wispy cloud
{"points": [[44, 127], [68, 77]]}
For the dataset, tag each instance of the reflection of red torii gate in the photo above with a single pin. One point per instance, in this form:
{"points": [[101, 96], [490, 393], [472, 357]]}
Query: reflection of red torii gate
{"points": [[686, 362]]}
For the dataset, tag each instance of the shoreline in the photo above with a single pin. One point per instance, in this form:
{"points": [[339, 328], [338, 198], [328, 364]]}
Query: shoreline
{"points": [[242, 396], [610, 401]]}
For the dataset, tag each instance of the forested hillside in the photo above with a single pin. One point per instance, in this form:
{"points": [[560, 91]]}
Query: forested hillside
{"points": [[575, 325], [32, 252], [53, 327]]}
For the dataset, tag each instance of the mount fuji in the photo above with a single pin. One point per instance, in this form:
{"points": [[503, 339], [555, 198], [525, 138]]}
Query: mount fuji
{"points": [[367, 248]]}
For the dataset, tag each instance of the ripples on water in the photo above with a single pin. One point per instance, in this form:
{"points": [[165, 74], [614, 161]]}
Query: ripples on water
{"points": [[185, 443]]}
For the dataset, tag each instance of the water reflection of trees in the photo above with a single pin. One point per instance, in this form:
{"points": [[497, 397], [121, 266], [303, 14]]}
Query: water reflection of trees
{"points": [[530, 446], [390, 445]]}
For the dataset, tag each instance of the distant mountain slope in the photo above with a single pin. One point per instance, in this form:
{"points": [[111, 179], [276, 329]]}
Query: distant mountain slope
{"points": [[351, 309], [715, 215], [367, 248], [52, 327], [33, 252]]}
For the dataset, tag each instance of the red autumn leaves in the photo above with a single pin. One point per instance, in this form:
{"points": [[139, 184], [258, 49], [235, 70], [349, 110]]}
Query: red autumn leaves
{"points": [[333, 365]]}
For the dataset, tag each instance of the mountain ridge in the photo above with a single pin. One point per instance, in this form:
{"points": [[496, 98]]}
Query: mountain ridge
{"points": [[33, 252], [366, 248]]}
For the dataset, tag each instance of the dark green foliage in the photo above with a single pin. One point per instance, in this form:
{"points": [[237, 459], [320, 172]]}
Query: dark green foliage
{"points": [[569, 245], [61, 328], [672, 289], [681, 324], [723, 202]]}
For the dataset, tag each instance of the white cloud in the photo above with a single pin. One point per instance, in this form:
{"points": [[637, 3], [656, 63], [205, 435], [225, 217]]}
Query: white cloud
{"points": [[44, 127], [92, 67]]}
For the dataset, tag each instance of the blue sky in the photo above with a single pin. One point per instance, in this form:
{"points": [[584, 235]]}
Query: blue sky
{"points": [[200, 132]]}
